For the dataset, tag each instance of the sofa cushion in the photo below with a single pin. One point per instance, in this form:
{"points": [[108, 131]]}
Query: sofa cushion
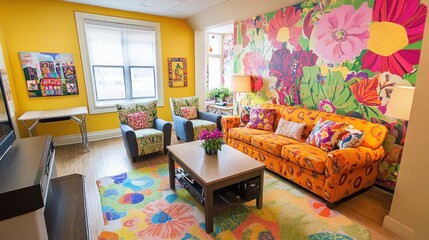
{"points": [[245, 134], [306, 156], [374, 133], [272, 143], [301, 115], [262, 119], [290, 129], [326, 134]]}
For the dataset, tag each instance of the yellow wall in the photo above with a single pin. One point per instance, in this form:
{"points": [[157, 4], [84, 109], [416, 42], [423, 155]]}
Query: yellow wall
{"points": [[49, 26]]}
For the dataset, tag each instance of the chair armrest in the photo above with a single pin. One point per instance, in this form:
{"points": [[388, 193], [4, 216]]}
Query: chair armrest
{"points": [[184, 128], [165, 127], [229, 122], [129, 138], [346, 159], [211, 117]]}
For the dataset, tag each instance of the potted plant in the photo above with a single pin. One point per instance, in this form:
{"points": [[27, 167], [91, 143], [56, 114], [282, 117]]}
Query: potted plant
{"points": [[219, 94]]}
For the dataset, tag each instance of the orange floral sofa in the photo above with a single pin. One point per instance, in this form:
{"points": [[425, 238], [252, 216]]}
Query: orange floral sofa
{"points": [[331, 175]]}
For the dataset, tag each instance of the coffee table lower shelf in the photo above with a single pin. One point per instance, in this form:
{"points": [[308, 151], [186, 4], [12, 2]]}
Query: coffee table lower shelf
{"points": [[223, 198]]}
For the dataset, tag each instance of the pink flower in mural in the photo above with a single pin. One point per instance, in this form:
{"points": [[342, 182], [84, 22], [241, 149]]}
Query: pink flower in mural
{"points": [[365, 92], [343, 33], [327, 106], [254, 63], [282, 28], [396, 24], [257, 83], [167, 220]]}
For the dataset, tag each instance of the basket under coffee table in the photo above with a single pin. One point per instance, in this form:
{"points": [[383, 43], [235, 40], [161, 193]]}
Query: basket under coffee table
{"points": [[219, 181]]}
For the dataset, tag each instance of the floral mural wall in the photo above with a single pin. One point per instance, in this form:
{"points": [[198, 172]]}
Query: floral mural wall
{"points": [[341, 56]]}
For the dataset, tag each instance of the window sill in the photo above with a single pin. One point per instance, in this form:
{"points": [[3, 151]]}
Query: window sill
{"points": [[110, 107]]}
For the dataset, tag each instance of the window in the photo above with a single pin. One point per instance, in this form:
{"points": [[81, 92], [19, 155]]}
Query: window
{"points": [[122, 60], [220, 60]]}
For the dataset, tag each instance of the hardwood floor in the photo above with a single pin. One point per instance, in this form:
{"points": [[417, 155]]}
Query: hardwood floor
{"points": [[108, 157]]}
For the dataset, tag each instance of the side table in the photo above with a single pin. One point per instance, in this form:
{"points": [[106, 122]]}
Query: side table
{"points": [[221, 110]]}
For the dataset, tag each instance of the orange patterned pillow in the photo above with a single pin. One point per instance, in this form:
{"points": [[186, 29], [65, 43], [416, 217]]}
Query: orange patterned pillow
{"points": [[137, 120], [189, 112]]}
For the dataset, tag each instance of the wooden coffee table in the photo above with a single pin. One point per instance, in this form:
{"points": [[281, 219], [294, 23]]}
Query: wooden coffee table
{"points": [[214, 173]]}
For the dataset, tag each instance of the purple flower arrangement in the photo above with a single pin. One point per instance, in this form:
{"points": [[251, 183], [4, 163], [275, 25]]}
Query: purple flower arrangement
{"points": [[212, 141]]}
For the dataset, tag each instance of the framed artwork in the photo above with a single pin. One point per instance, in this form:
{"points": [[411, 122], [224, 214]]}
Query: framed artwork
{"points": [[177, 72], [49, 74]]}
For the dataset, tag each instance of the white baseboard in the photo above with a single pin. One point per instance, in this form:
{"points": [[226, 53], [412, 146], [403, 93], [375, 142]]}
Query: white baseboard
{"points": [[92, 136], [398, 228]]}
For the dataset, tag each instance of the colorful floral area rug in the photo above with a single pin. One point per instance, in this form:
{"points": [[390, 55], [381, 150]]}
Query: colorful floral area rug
{"points": [[140, 205]]}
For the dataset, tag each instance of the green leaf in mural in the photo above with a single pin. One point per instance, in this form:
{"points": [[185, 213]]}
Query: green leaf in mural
{"points": [[304, 42], [416, 45], [357, 3], [340, 95], [369, 112], [311, 90], [270, 15], [353, 66], [412, 77]]}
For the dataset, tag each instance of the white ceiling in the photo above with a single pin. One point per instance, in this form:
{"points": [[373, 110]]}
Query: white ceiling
{"points": [[169, 8]]}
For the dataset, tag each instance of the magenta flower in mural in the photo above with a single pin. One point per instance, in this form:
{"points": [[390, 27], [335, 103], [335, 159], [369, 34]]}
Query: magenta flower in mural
{"points": [[396, 24], [287, 68], [327, 106], [282, 28], [343, 33], [365, 91]]}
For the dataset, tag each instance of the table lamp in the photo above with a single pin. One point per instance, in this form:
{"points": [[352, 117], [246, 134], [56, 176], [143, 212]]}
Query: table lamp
{"points": [[400, 102], [239, 84]]}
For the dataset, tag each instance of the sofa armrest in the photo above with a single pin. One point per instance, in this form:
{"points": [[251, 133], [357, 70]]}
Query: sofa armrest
{"points": [[212, 118], [129, 138], [229, 122], [350, 158], [165, 127]]}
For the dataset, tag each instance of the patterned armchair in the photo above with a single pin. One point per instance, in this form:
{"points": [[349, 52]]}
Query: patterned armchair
{"points": [[150, 134], [189, 130]]}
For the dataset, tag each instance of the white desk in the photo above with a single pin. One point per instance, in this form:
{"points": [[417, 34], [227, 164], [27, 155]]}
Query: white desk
{"points": [[30, 120]]}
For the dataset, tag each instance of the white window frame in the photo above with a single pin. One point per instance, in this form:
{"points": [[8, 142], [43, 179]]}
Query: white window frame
{"points": [[97, 108]]}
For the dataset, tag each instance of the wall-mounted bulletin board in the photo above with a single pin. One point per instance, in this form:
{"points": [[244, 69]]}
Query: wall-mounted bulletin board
{"points": [[49, 74]]}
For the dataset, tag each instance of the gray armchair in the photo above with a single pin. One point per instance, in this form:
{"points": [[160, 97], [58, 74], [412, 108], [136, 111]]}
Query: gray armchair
{"points": [[156, 137], [189, 130]]}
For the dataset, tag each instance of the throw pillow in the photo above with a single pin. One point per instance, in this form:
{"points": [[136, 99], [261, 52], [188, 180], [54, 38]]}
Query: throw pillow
{"points": [[350, 138], [261, 118], [290, 129], [244, 115], [326, 134], [137, 120], [189, 112]]}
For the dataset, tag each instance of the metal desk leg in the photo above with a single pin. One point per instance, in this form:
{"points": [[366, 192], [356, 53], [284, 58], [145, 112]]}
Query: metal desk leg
{"points": [[31, 129], [82, 128]]}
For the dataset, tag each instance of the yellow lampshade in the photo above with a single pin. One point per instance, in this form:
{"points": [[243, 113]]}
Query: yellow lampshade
{"points": [[240, 83], [399, 105]]}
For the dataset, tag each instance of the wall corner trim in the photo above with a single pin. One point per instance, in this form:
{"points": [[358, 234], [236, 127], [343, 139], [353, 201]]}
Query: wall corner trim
{"points": [[398, 228], [92, 136]]}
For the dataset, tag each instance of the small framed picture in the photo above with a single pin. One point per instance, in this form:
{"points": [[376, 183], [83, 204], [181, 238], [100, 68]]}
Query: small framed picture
{"points": [[177, 72]]}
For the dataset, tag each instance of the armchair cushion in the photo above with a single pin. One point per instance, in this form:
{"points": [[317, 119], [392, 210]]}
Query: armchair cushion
{"points": [[199, 125], [149, 140], [149, 107], [177, 103], [188, 112], [137, 120]]}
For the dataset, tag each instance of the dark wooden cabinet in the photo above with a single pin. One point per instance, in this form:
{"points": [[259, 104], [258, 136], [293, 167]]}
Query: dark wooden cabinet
{"points": [[34, 204]]}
